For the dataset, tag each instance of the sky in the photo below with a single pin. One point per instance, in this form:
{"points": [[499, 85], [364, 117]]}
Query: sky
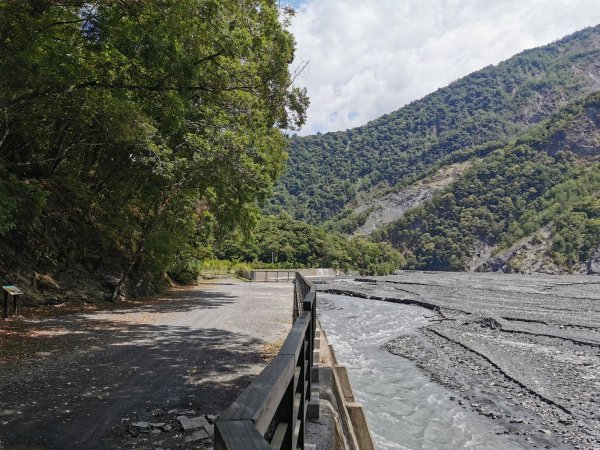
{"points": [[367, 58]]}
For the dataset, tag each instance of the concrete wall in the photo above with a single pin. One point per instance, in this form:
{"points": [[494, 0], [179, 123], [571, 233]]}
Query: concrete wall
{"points": [[288, 274], [343, 422]]}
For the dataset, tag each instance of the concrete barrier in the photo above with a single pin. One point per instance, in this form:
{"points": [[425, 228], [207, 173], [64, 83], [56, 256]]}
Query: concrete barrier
{"points": [[360, 427], [289, 274], [342, 374], [336, 390]]}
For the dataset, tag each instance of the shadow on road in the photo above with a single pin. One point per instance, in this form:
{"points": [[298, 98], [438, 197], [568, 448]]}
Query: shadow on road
{"points": [[68, 381]]}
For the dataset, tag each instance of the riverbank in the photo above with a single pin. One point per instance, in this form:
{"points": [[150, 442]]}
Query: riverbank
{"points": [[521, 351]]}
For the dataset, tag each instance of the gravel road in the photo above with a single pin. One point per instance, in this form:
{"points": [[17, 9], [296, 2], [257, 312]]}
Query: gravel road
{"points": [[522, 350], [119, 377]]}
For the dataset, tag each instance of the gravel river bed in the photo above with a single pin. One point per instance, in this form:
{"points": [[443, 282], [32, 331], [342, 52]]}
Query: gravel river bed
{"points": [[470, 360]]}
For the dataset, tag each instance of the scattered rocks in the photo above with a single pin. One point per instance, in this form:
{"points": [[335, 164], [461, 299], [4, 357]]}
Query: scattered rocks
{"points": [[192, 423], [196, 429], [490, 322], [524, 348], [197, 436], [212, 418]]}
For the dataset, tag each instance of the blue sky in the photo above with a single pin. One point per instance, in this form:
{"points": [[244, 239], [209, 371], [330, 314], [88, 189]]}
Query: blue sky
{"points": [[370, 57], [293, 3]]}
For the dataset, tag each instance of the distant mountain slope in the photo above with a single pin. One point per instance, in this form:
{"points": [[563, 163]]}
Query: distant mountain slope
{"points": [[387, 208], [533, 205], [474, 114]]}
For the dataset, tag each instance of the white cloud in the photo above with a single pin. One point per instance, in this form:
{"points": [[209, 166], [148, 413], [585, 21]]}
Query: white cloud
{"points": [[370, 57]]}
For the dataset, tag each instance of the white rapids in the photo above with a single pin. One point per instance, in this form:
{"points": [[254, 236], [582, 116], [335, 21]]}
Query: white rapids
{"points": [[405, 409]]}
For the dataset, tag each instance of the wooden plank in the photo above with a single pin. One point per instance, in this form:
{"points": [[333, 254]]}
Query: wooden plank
{"points": [[296, 434], [260, 400], [298, 437], [238, 435], [276, 390], [297, 402], [279, 436], [293, 343], [308, 301], [297, 374]]}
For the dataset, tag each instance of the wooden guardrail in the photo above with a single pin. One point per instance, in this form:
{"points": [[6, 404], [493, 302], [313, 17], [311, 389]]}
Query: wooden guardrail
{"points": [[271, 412]]}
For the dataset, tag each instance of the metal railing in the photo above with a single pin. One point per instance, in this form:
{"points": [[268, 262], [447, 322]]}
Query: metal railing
{"points": [[271, 412], [273, 274]]}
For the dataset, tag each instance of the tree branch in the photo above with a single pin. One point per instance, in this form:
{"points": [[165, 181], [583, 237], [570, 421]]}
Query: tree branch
{"points": [[133, 87]]}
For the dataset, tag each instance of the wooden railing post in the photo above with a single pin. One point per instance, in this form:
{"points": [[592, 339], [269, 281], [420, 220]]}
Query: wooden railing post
{"points": [[278, 398], [309, 306]]}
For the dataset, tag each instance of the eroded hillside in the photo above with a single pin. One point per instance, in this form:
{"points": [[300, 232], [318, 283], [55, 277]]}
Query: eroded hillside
{"points": [[531, 206]]}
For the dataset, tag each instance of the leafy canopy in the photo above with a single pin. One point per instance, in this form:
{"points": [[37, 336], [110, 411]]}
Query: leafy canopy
{"points": [[151, 112]]}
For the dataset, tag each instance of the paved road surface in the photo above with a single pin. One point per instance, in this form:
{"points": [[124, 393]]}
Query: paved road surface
{"points": [[79, 380]]}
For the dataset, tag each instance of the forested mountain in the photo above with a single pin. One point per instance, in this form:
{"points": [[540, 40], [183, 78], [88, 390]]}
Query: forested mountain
{"points": [[533, 205], [473, 116]]}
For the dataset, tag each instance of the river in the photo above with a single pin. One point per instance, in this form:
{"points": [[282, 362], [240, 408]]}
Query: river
{"points": [[404, 408]]}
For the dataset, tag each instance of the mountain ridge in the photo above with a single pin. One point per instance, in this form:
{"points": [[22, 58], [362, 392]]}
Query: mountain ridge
{"points": [[543, 188], [533, 116], [326, 171]]}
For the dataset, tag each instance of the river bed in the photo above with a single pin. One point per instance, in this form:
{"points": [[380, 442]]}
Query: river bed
{"points": [[404, 408], [469, 355]]}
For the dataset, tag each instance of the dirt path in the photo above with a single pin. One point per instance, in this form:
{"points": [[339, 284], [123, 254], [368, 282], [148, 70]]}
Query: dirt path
{"points": [[81, 380]]}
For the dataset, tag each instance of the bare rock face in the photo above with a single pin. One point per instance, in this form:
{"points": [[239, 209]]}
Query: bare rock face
{"points": [[394, 205], [593, 265], [44, 282], [529, 255], [582, 137]]}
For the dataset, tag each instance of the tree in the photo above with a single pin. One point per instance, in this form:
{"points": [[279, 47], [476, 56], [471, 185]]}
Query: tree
{"points": [[153, 112]]}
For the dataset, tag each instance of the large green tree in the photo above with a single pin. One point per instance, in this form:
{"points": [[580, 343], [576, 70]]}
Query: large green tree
{"points": [[151, 112]]}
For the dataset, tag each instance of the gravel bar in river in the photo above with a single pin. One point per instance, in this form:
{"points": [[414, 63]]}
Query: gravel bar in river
{"points": [[521, 350]]}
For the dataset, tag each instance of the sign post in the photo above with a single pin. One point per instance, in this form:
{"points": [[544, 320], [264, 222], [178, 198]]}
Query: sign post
{"points": [[13, 292]]}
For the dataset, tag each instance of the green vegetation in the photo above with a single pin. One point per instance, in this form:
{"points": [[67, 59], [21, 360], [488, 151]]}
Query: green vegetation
{"points": [[472, 115], [189, 271], [509, 195], [138, 138], [283, 242], [126, 121]]}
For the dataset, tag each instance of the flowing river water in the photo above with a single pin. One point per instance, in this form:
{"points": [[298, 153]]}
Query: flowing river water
{"points": [[404, 408]]}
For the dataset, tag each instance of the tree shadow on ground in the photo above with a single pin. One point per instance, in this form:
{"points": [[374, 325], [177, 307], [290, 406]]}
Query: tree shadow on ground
{"points": [[85, 376]]}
